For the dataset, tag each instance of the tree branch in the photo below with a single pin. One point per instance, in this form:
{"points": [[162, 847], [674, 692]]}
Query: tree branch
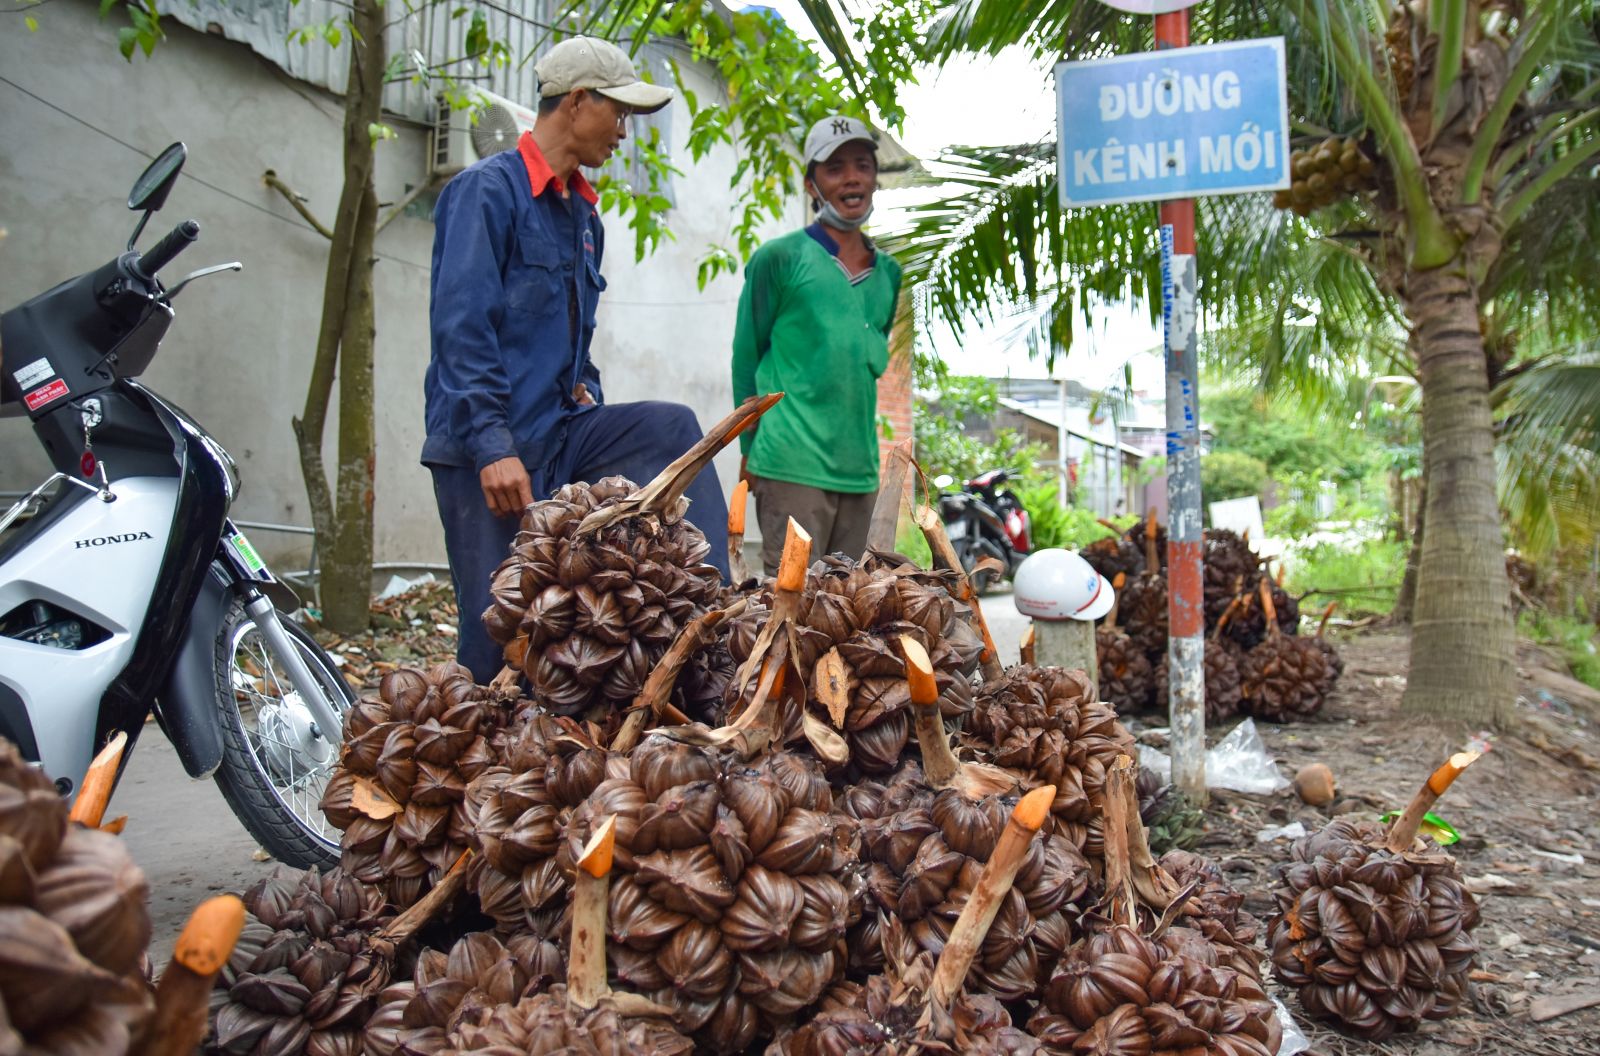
{"points": [[1432, 244], [271, 179], [1557, 171], [1536, 43]]}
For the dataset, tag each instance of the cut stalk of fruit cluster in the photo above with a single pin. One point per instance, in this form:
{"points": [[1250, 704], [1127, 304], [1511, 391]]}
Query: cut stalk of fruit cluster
{"points": [[996, 879], [939, 762], [182, 994], [737, 503], [944, 555]]}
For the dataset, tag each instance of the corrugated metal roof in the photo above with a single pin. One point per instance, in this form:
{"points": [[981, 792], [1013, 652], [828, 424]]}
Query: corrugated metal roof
{"points": [[425, 37], [430, 33]]}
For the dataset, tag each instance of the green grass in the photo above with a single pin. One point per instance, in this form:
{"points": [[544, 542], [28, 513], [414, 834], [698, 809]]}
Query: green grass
{"points": [[1364, 580], [1576, 639]]}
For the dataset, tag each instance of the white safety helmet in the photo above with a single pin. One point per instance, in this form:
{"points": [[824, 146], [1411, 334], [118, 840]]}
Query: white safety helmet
{"points": [[1059, 585]]}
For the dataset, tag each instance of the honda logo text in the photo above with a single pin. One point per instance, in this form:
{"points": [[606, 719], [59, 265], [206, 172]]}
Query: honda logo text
{"points": [[107, 540]]}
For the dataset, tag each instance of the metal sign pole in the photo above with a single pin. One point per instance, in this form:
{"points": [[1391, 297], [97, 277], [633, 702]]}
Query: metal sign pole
{"points": [[1186, 685]]}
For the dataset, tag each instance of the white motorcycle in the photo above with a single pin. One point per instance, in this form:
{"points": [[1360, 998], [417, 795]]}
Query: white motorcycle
{"points": [[128, 589]]}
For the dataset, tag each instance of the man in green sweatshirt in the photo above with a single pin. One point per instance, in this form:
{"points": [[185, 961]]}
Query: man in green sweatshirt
{"points": [[814, 322]]}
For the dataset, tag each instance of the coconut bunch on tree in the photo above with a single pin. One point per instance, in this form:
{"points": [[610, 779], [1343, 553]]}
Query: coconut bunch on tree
{"points": [[305, 974], [398, 790], [1326, 172], [730, 892], [919, 1000], [840, 635], [1374, 926], [1043, 724], [74, 925], [602, 577], [1147, 979]]}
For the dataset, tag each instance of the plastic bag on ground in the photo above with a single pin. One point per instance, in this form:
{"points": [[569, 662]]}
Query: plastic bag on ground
{"points": [[1239, 763]]}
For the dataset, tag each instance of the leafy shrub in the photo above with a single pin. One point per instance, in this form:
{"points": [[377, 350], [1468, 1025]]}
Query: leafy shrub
{"points": [[1231, 475], [1071, 527], [1577, 639], [1363, 578]]}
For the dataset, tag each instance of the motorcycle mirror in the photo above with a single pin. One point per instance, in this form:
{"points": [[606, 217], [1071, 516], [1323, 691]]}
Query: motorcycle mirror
{"points": [[943, 480], [150, 190]]}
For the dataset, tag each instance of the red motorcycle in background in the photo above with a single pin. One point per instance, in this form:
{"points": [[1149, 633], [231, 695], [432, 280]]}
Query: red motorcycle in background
{"points": [[985, 519]]}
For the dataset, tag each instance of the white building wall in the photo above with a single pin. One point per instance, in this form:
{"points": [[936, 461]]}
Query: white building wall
{"points": [[77, 124]]}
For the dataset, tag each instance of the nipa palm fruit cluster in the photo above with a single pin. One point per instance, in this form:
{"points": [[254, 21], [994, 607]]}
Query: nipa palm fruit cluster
{"points": [[1123, 992], [1333, 169], [1044, 724], [547, 1022], [303, 977], [585, 617], [74, 925], [1255, 660], [730, 894], [545, 765], [398, 790], [888, 1015], [1374, 940], [852, 614], [477, 978], [924, 850]]}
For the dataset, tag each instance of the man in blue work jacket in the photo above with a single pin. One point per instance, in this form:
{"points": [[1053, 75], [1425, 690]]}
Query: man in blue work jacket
{"points": [[514, 404]]}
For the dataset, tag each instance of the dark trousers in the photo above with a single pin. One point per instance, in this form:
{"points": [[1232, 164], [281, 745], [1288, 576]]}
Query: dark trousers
{"points": [[633, 440], [837, 521]]}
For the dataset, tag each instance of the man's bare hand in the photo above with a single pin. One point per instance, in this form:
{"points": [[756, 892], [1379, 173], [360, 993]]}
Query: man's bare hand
{"points": [[506, 487], [581, 397]]}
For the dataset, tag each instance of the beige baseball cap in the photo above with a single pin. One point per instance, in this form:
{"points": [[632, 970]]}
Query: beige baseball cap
{"points": [[599, 65]]}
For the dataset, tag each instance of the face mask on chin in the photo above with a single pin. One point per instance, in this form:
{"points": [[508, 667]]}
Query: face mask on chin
{"points": [[830, 216]]}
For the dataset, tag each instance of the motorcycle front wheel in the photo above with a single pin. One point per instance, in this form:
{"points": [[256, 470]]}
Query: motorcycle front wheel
{"points": [[275, 764]]}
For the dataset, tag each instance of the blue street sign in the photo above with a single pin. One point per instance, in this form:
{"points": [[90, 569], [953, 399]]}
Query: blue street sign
{"points": [[1178, 123]]}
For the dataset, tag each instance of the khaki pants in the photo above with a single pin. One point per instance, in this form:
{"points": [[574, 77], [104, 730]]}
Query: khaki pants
{"points": [[837, 521]]}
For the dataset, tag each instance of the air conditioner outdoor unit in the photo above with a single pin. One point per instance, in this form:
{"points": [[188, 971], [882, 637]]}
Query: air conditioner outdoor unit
{"points": [[462, 136]]}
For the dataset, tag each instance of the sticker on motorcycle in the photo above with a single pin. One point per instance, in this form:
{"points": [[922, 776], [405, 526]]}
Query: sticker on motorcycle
{"points": [[49, 394], [956, 529], [247, 557], [33, 373]]}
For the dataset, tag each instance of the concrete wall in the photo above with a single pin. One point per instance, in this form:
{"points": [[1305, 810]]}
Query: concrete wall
{"points": [[78, 124]]}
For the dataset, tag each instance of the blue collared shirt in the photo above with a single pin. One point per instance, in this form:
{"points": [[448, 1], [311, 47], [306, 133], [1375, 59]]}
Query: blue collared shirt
{"points": [[515, 284]]}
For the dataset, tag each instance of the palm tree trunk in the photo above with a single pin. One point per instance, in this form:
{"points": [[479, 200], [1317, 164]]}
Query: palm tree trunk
{"points": [[1462, 643]]}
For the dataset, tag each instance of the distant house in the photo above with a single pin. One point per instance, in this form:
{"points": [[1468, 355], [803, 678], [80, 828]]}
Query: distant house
{"points": [[1107, 441], [80, 123]]}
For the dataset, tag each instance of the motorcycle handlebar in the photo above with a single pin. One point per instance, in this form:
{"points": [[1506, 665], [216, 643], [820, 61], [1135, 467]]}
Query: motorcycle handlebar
{"points": [[162, 253]]}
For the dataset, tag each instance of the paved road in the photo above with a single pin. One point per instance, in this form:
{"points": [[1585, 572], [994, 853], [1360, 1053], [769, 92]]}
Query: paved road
{"points": [[191, 846], [183, 835], [1006, 624]]}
